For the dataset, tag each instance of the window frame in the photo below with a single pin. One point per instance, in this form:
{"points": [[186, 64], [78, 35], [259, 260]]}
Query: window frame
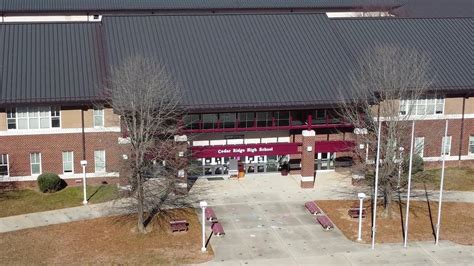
{"points": [[39, 163], [72, 162], [406, 104], [102, 115], [30, 114], [470, 144], [448, 144], [417, 149], [104, 162], [6, 163]]}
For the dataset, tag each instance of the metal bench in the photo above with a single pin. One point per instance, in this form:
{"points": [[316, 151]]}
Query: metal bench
{"points": [[210, 215], [178, 225], [354, 212], [217, 229], [312, 207], [324, 221]]}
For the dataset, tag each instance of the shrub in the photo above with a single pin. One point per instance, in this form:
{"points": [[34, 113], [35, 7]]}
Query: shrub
{"points": [[418, 165], [49, 182]]}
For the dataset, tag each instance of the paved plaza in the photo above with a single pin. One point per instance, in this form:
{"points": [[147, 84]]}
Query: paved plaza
{"points": [[266, 223]]}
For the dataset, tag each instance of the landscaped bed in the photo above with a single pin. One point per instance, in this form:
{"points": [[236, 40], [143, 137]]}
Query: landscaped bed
{"points": [[456, 178], [23, 201], [110, 240], [457, 222]]}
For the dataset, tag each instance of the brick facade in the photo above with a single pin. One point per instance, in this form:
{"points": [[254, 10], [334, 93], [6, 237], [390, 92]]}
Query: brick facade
{"points": [[51, 147]]}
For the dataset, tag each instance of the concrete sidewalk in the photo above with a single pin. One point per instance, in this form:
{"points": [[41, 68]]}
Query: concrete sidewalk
{"points": [[37, 219], [266, 224]]}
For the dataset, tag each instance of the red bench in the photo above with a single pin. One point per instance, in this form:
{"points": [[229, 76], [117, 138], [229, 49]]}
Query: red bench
{"points": [[210, 215], [178, 225], [217, 229], [325, 222], [354, 212], [312, 207]]}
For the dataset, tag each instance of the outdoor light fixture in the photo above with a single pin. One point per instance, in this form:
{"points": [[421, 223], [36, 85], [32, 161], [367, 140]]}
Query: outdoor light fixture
{"points": [[309, 148], [203, 205], [361, 197], [84, 164]]}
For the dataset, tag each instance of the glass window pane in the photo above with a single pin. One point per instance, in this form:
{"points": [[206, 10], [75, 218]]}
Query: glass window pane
{"points": [[228, 120], [98, 121], [209, 121], [34, 123], [55, 122], [11, 123], [44, 122], [22, 123], [99, 161], [35, 169]]}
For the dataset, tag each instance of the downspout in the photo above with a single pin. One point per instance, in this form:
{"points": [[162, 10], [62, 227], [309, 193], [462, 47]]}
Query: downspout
{"points": [[462, 126]]}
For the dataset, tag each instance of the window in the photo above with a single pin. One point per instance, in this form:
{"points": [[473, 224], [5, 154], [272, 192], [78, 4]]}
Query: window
{"points": [[446, 146], [420, 146], [246, 119], [68, 162], [227, 120], [33, 117], [4, 170], [35, 162], [192, 121], [209, 121], [264, 119], [99, 161], [471, 144], [282, 118], [98, 117], [426, 106]]}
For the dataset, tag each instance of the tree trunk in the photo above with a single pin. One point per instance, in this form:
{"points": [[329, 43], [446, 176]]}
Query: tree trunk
{"points": [[140, 207], [388, 197]]}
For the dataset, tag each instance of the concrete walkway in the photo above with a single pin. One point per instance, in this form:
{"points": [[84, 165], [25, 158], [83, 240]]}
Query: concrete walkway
{"points": [[24, 221], [266, 224]]}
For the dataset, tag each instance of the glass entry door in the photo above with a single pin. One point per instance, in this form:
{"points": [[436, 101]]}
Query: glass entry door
{"points": [[325, 161]]}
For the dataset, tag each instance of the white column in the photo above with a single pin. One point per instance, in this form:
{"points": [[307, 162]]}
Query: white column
{"points": [[361, 204]]}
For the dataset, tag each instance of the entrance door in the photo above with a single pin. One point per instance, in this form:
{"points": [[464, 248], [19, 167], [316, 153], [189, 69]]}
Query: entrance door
{"points": [[325, 161]]}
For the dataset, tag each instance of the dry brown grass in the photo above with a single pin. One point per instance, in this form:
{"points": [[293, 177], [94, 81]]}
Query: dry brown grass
{"points": [[457, 223], [108, 240]]}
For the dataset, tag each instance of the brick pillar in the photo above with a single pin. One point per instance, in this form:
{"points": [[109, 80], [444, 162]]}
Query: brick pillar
{"points": [[307, 159]]}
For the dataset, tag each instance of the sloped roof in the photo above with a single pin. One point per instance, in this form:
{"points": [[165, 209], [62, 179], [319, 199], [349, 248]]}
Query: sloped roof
{"points": [[243, 61], [238, 60], [50, 62], [435, 9], [27, 6], [448, 43]]}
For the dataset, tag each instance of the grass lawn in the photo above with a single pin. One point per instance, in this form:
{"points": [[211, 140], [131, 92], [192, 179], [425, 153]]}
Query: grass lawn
{"points": [[28, 200], [457, 221], [109, 240], [455, 178]]}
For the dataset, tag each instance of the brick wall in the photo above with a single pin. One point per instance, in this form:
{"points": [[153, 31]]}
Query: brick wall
{"points": [[51, 147]]}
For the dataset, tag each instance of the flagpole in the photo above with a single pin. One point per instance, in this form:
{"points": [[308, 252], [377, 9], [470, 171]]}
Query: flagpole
{"points": [[374, 214], [410, 167], [443, 146]]}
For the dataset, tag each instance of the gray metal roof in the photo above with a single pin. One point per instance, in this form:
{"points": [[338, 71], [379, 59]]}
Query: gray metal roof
{"points": [[26, 6], [49, 62], [223, 61], [447, 42], [238, 60]]}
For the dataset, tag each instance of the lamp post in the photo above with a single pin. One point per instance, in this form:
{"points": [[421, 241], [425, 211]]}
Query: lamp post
{"points": [[83, 164], [361, 200], [203, 206], [401, 149]]}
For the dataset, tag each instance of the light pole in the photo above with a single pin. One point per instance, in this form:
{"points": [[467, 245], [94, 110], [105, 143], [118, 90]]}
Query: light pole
{"points": [[441, 187], [361, 200], [410, 167], [83, 164], [203, 206]]}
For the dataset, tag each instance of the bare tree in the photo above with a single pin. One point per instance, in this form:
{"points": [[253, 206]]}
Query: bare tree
{"points": [[148, 101], [384, 78]]}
